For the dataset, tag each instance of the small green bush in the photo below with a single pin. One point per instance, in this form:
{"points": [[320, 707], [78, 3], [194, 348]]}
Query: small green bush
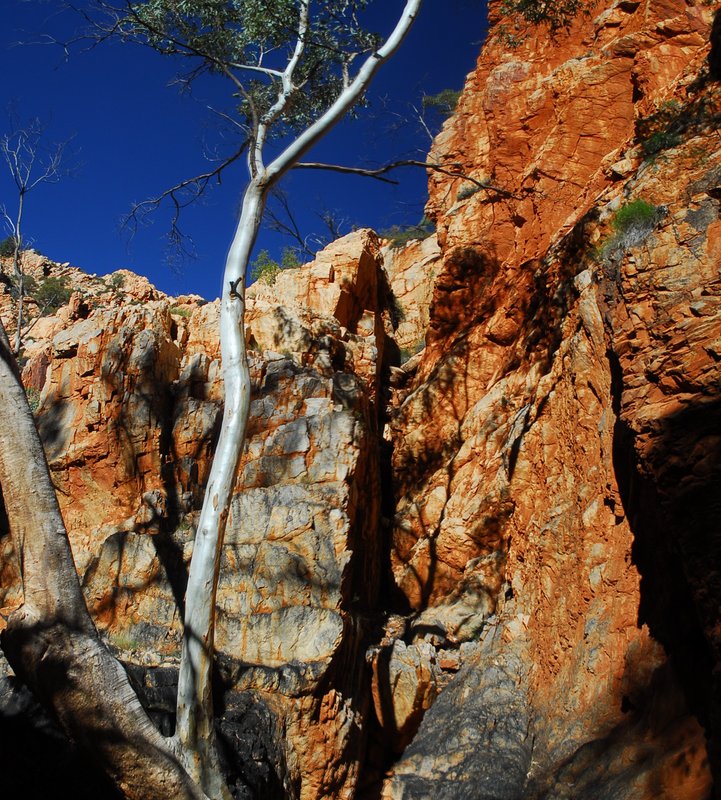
{"points": [[180, 311], [289, 258], [443, 103], [7, 247], [658, 142], [398, 235], [264, 268], [51, 294], [117, 281], [631, 224], [635, 216], [555, 15]]}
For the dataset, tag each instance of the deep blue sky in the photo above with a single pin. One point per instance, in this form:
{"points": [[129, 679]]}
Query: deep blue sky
{"points": [[134, 135]]}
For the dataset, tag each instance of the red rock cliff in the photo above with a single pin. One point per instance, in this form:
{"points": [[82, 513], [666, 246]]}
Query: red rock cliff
{"points": [[557, 457], [510, 591]]}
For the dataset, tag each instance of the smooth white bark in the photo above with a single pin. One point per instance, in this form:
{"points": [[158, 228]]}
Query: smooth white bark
{"points": [[195, 701], [348, 98], [194, 732]]}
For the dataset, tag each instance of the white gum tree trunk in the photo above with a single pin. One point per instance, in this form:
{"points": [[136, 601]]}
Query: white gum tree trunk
{"points": [[194, 732], [51, 640], [194, 729]]}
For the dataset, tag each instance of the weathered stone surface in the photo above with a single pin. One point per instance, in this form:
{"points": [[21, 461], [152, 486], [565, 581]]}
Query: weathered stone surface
{"points": [[340, 296], [548, 562], [570, 372], [405, 683], [129, 405], [411, 271]]}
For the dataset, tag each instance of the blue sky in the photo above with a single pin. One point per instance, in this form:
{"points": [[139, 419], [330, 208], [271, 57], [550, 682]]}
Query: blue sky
{"points": [[134, 135]]}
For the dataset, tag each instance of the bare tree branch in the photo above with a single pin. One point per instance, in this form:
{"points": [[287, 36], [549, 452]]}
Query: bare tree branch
{"points": [[31, 164], [379, 173], [286, 224], [180, 196]]}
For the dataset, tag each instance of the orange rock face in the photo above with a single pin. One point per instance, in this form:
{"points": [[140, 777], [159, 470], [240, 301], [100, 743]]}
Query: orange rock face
{"points": [[571, 342], [129, 402], [490, 571]]}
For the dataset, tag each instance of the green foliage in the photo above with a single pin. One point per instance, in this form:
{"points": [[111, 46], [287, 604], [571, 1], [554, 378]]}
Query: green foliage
{"points": [[266, 269], [227, 35], [51, 294], [444, 103], [400, 235], [662, 130], [631, 224], [659, 141], [180, 311], [33, 396], [289, 258], [635, 216], [117, 281], [7, 247], [555, 15], [29, 286]]}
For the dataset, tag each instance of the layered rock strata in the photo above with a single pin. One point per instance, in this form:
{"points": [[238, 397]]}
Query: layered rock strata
{"points": [[555, 455], [547, 623]]}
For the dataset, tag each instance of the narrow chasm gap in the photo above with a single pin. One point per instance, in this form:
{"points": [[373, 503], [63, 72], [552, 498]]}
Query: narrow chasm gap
{"points": [[169, 551], [379, 753], [668, 550]]}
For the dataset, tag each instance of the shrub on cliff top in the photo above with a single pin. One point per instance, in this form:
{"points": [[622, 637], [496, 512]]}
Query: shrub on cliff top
{"points": [[52, 293], [265, 269], [7, 247], [444, 102], [400, 235], [518, 15], [556, 14]]}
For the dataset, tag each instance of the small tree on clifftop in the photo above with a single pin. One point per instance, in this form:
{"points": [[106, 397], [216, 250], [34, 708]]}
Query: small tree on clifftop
{"points": [[31, 163], [293, 68]]}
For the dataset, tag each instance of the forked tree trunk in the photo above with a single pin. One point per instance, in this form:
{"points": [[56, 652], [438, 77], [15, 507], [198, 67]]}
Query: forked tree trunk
{"points": [[50, 641], [195, 733]]}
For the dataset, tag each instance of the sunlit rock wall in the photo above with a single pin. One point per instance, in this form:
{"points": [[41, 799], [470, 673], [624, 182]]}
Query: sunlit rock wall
{"points": [[554, 456], [129, 403]]}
